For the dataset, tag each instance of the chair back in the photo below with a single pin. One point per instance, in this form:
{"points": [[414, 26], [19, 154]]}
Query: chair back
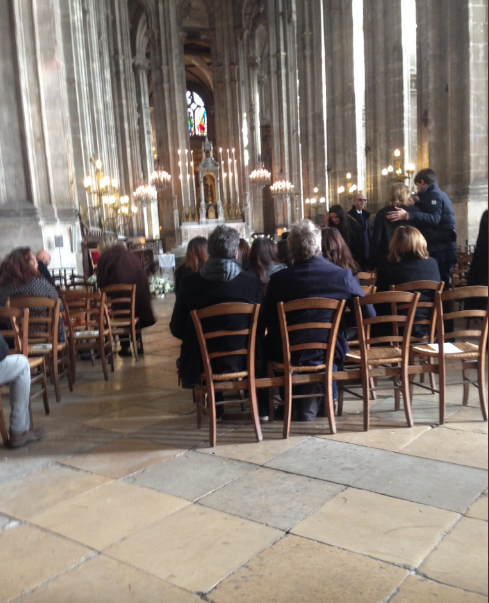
{"points": [[462, 294], [310, 304], [364, 325], [369, 289], [86, 311], [367, 278], [44, 316], [221, 310], [78, 282], [415, 287], [121, 301], [460, 271], [19, 328]]}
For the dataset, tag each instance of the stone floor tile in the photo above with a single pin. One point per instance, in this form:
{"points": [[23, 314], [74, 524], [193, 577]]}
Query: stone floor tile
{"points": [[468, 418], [103, 516], [122, 457], [385, 528], [418, 590], [195, 548], [479, 509], [386, 435], [36, 492], [4, 521], [425, 412], [49, 423], [460, 559], [271, 497], [452, 446], [433, 483], [82, 409], [297, 570], [29, 557], [106, 580], [331, 461], [128, 420], [172, 404], [191, 475]]}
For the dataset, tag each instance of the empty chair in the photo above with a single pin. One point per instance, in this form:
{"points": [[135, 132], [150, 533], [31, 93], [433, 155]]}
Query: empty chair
{"points": [[121, 304]]}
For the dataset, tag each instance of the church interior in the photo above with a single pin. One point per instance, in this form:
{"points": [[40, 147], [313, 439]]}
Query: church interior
{"points": [[149, 125]]}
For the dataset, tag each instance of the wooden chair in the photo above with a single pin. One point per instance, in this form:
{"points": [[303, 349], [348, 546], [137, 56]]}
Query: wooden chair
{"points": [[212, 383], [471, 356], [369, 289], [77, 282], [44, 317], [18, 335], [88, 327], [396, 354], [460, 271], [121, 305], [367, 278], [294, 375]]}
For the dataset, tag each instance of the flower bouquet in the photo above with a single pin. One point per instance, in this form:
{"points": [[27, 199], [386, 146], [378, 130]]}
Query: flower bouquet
{"points": [[158, 286]]}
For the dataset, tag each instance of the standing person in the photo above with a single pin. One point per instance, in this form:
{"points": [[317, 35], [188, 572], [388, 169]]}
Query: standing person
{"points": [[362, 216], [479, 265], [193, 261], [264, 260], [117, 265], [349, 230], [43, 260], [433, 216], [384, 228]]}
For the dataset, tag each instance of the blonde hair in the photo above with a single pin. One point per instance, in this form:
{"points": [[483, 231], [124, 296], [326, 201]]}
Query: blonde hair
{"points": [[398, 195], [407, 240]]}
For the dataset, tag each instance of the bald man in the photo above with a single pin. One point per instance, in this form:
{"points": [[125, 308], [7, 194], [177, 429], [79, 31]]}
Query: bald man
{"points": [[43, 260]]}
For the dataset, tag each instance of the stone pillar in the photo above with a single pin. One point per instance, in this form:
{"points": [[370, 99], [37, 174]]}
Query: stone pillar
{"points": [[452, 104]]}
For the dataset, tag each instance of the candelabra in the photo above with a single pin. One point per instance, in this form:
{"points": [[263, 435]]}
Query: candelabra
{"points": [[281, 189], [398, 175], [315, 201], [105, 193], [160, 179], [260, 177], [348, 191], [145, 194]]}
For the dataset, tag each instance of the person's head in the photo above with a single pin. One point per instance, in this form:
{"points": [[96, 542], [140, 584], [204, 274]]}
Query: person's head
{"points": [[337, 215], [285, 235], [224, 243], [19, 267], [304, 241], [244, 250], [359, 201], [196, 255], [407, 242], [44, 257], [263, 253], [399, 195], [335, 249], [424, 178], [283, 252]]}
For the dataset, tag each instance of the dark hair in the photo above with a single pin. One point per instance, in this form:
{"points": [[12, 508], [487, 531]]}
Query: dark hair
{"points": [[344, 226], [16, 268], [283, 252], [263, 253], [223, 243], [196, 255], [335, 250], [427, 175], [285, 235], [244, 251]]}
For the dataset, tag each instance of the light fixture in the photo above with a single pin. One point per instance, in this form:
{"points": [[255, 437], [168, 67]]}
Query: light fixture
{"points": [[145, 194], [397, 174], [260, 176], [160, 179], [281, 189]]}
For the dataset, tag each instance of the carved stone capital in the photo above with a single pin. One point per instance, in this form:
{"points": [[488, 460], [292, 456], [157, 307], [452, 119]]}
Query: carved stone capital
{"points": [[141, 63]]}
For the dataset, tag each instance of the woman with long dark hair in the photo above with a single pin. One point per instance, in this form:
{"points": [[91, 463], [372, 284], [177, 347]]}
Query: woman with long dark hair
{"points": [[350, 230], [193, 261], [244, 254], [264, 260], [335, 250]]}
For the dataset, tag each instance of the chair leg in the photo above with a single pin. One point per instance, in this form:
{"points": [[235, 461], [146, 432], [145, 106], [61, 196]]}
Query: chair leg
{"points": [[341, 394], [102, 356], [3, 425], [55, 373], [406, 394], [254, 411], [141, 346], [466, 387], [110, 355], [328, 401], [397, 393], [366, 399], [442, 390], [287, 405], [197, 395], [271, 402], [481, 374], [45, 397], [134, 342], [211, 407], [67, 368], [373, 385]]}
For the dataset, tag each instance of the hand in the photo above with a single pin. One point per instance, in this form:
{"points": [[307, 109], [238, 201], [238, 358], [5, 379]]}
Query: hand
{"points": [[397, 215]]}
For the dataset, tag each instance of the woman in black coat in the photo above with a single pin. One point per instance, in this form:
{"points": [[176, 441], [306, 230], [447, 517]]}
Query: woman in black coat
{"points": [[409, 261], [479, 265], [383, 229], [350, 231]]}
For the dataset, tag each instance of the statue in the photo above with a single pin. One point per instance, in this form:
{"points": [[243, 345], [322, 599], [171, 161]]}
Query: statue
{"points": [[211, 214], [202, 211]]}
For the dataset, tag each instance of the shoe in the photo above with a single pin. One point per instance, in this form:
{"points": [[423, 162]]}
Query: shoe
{"points": [[21, 439], [125, 353], [264, 419]]}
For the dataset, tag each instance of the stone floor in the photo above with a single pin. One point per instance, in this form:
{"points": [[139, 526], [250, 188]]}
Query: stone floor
{"points": [[124, 501]]}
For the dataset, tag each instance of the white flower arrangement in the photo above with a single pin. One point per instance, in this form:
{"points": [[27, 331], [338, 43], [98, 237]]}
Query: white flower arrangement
{"points": [[158, 286]]}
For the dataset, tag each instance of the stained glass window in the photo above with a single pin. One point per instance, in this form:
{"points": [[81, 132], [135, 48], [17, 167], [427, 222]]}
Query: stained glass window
{"points": [[197, 115]]}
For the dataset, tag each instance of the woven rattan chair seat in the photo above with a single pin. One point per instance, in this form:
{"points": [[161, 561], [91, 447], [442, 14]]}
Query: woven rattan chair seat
{"points": [[468, 350], [279, 367], [376, 356], [121, 322], [32, 350], [227, 376], [35, 362]]}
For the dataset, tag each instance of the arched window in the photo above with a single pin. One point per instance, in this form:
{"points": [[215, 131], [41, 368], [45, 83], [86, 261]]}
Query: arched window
{"points": [[196, 114]]}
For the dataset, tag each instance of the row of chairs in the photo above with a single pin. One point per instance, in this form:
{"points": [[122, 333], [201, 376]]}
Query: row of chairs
{"points": [[398, 356]]}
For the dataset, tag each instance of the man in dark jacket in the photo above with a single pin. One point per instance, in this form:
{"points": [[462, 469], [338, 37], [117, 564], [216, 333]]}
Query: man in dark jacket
{"points": [[433, 216], [219, 281], [14, 370], [363, 218], [309, 276]]}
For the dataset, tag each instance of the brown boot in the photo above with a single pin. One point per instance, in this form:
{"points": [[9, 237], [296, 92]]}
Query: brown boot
{"points": [[21, 439]]}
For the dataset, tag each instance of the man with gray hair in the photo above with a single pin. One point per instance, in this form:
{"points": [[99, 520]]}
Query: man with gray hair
{"points": [[309, 276]]}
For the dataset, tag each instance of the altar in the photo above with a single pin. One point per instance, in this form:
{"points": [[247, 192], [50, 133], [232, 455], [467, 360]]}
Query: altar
{"points": [[190, 230]]}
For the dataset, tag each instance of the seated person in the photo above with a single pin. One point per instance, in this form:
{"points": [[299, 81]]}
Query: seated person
{"points": [[409, 261], [193, 261], [309, 276], [21, 278], [264, 260], [219, 281], [43, 258], [14, 370], [119, 266], [244, 254]]}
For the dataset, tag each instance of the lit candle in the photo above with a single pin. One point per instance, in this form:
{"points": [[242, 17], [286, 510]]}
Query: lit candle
{"points": [[230, 180], [236, 183]]}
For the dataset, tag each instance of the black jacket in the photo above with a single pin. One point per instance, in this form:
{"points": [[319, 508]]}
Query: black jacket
{"points": [[354, 239], [479, 266], [43, 269], [382, 234], [314, 278], [195, 293], [433, 216], [3, 348], [363, 220], [409, 269]]}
